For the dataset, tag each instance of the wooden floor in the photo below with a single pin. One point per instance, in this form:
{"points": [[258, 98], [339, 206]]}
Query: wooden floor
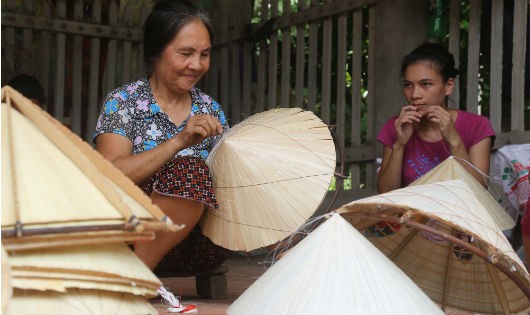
{"points": [[241, 274]]}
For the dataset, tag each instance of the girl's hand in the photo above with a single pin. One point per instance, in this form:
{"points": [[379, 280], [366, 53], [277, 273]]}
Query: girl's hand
{"points": [[198, 128], [405, 123], [442, 117]]}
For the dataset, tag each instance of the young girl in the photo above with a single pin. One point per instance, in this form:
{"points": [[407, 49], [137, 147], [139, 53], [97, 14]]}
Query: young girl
{"points": [[426, 131]]}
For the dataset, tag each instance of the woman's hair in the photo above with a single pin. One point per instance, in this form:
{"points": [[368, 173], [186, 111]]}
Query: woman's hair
{"points": [[437, 54], [28, 86], [164, 22]]}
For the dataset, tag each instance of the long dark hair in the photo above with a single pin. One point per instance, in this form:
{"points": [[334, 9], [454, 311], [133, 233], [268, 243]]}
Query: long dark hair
{"points": [[164, 22], [437, 54]]}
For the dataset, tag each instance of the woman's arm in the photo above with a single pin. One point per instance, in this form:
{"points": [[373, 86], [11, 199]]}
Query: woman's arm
{"points": [[390, 173], [479, 156], [140, 167]]}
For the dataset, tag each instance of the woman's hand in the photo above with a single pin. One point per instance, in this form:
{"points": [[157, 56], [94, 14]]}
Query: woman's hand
{"points": [[198, 128], [442, 117], [408, 116]]}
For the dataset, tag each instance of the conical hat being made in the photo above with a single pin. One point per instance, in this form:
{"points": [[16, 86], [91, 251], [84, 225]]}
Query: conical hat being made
{"points": [[270, 173], [334, 270], [7, 288], [450, 169], [112, 267], [54, 186], [444, 239], [78, 301]]}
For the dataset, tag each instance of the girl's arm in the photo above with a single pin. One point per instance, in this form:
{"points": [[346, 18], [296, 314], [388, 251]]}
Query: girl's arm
{"points": [[390, 173]]}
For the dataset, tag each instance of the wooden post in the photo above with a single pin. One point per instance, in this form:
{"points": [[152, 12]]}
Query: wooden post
{"points": [[93, 84], [285, 86], [60, 66], [77, 72]]}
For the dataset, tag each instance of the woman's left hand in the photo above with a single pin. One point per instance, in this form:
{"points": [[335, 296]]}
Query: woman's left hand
{"points": [[442, 117]]}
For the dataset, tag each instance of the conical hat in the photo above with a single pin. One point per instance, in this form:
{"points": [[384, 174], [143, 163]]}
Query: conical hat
{"points": [[78, 301], [7, 288], [270, 173], [418, 227], [54, 183], [113, 267], [449, 169], [334, 270]]}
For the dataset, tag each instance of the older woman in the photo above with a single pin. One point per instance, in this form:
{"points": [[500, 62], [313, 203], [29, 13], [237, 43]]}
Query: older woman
{"points": [[159, 129]]}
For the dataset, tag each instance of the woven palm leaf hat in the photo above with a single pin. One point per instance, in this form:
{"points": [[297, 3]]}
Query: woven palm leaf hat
{"points": [[445, 240], [66, 215], [58, 191], [270, 174], [334, 270], [450, 169]]}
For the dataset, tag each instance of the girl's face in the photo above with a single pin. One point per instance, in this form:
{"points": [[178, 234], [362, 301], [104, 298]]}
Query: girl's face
{"points": [[186, 58], [423, 85]]}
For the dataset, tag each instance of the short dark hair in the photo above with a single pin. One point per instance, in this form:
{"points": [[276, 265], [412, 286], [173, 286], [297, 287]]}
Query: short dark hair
{"points": [[437, 54], [28, 86], [165, 21]]}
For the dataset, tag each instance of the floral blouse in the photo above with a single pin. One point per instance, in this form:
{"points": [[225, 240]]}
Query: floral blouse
{"points": [[131, 111]]}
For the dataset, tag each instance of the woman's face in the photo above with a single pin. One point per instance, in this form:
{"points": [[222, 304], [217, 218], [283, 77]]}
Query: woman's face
{"points": [[423, 85], [186, 58]]}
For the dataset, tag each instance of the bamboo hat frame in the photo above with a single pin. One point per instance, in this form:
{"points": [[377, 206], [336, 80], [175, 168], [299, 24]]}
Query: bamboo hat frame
{"points": [[444, 239], [270, 173], [58, 191]]}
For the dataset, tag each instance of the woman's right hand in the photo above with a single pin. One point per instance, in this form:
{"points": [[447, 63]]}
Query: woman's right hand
{"points": [[408, 116], [198, 128]]}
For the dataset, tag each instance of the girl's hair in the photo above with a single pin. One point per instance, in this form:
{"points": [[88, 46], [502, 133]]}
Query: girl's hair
{"points": [[437, 54], [165, 21]]}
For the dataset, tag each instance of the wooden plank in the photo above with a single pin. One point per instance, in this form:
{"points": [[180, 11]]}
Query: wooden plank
{"points": [[512, 137], [497, 8], [224, 73], [327, 54], [235, 82], [60, 67], [27, 42], [8, 40], [126, 21], [370, 115], [212, 77], [361, 153], [285, 85], [473, 52], [93, 83], [518, 62], [300, 60], [341, 77], [77, 72], [262, 65], [71, 27], [312, 64], [273, 60], [454, 47], [356, 74], [225, 81], [44, 56], [110, 78], [246, 108]]}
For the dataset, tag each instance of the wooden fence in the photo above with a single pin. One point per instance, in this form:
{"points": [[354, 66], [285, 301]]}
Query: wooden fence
{"points": [[78, 51], [318, 55], [313, 54]]}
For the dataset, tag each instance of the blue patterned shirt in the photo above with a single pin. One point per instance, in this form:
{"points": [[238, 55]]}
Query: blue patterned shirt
{"points": [[131, 111]]}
